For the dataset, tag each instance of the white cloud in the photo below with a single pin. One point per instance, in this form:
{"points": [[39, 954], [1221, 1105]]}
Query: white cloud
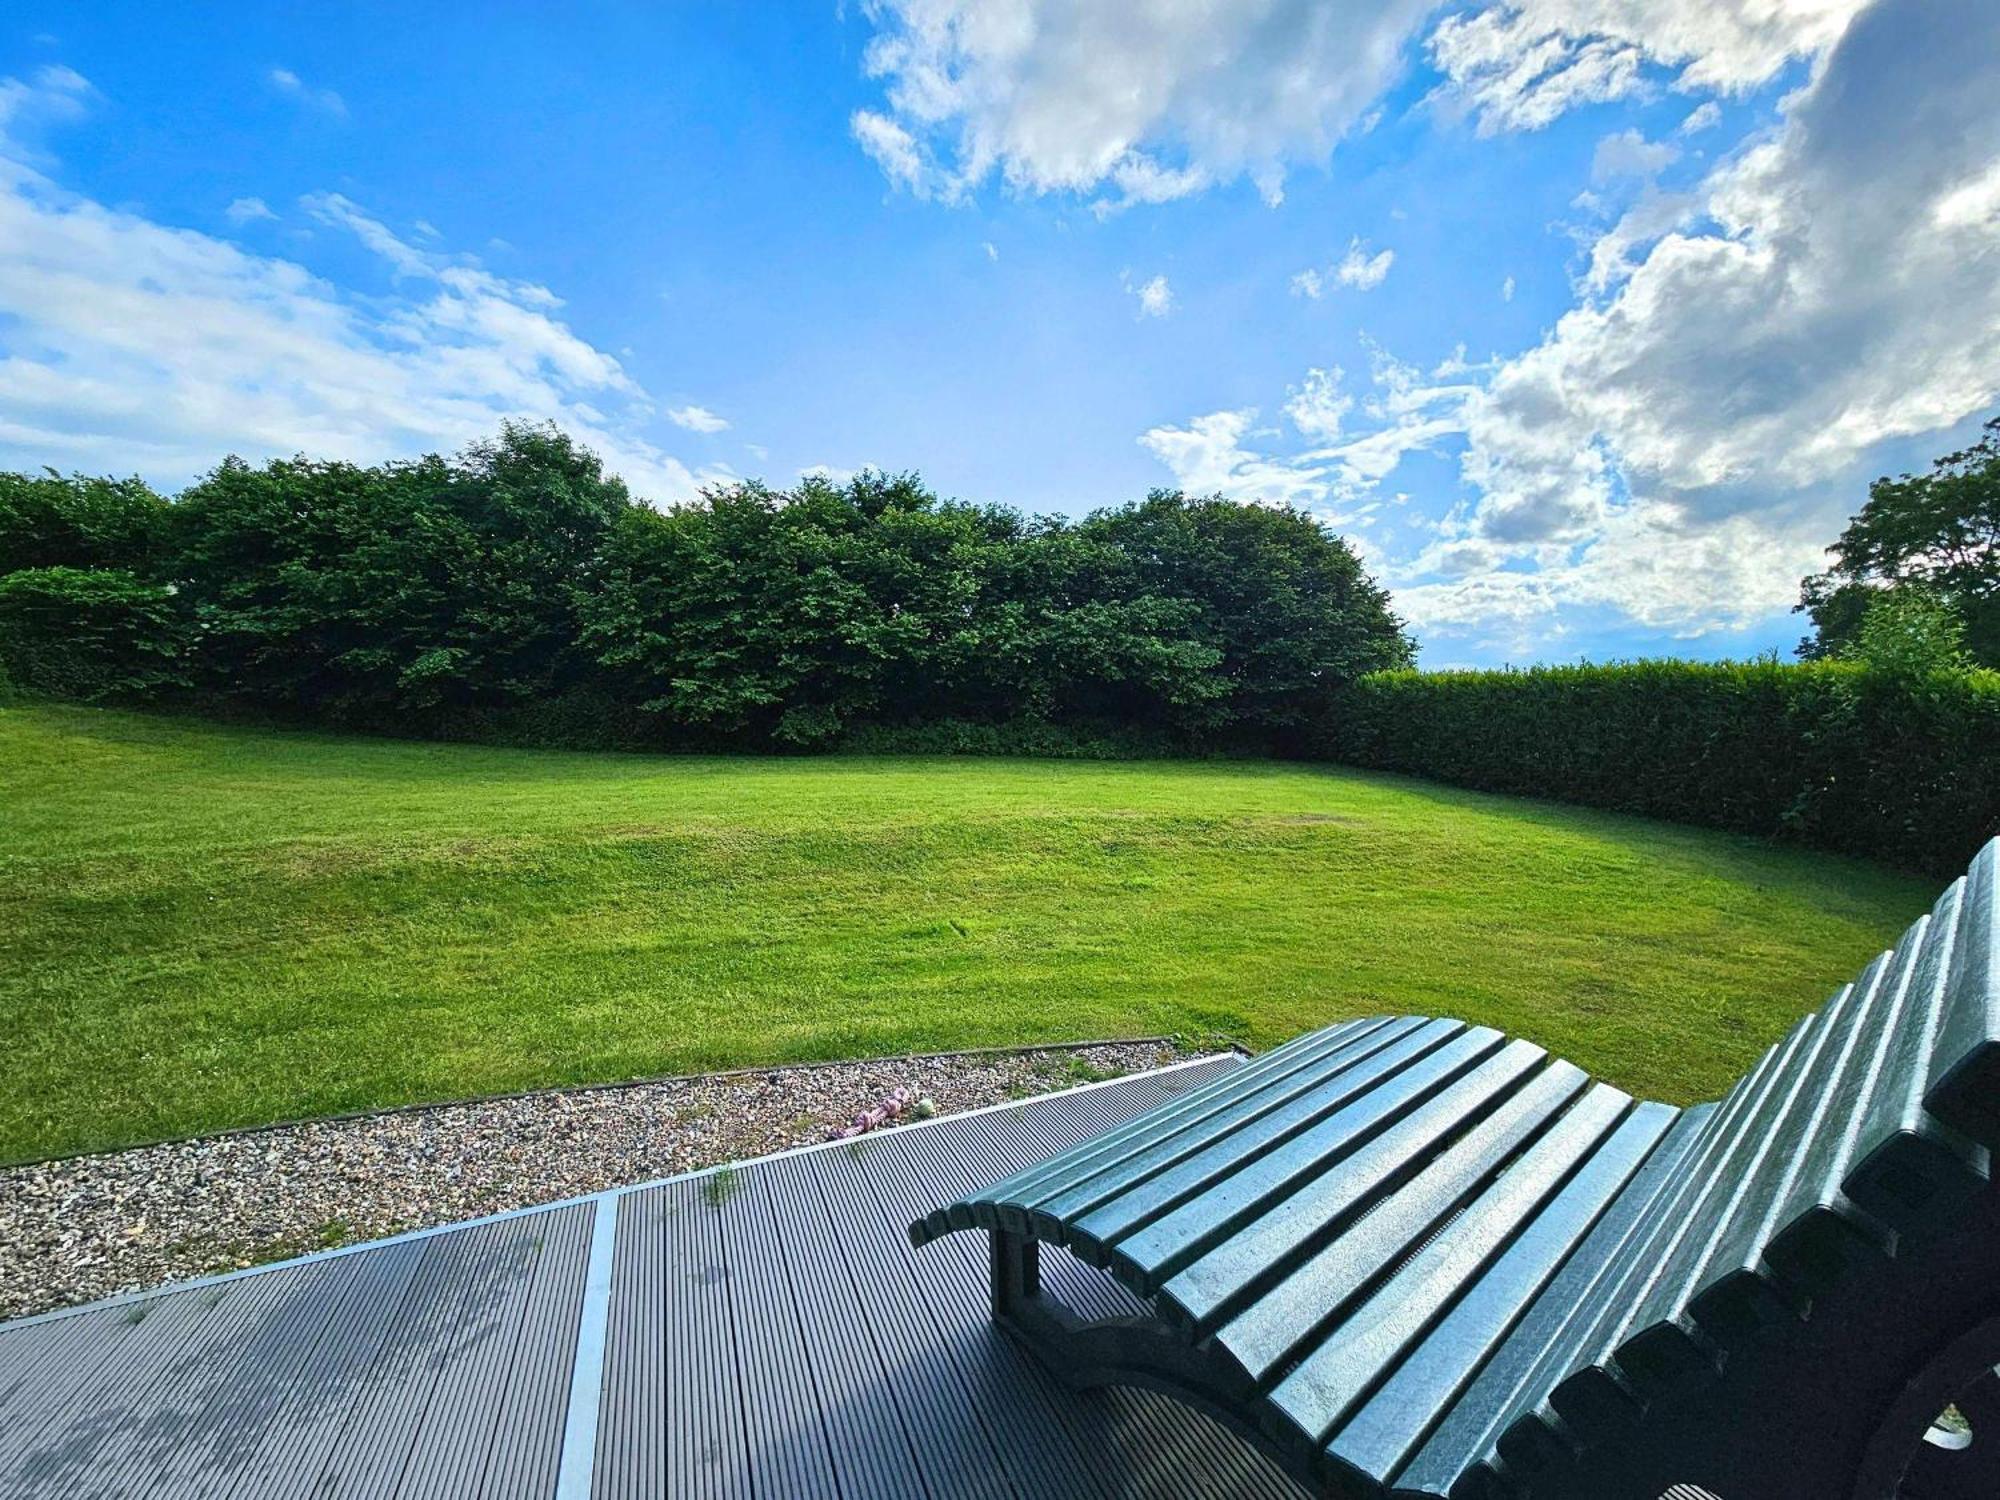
{"points": [[1156, 297], [1337, 477], [1362, 271], [696, 419], [243, 210], [1356, 269], [55, 93], [1208, 457], [1630, 154], [895, 152], [833, 474], [1507, 290], [1972, 203], [1130, 103], [1684, 441], [128, 345], [1318, 404], [1823, 309], [1702, 117], [992, 250], [1518, 66], [326, 101], [1135, 103]]}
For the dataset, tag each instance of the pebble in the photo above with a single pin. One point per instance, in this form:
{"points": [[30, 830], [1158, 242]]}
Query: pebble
{"points": [[88, 1227]]}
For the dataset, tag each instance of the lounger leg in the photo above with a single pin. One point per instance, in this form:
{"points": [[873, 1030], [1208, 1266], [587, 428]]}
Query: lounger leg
{"points": [[1017, 1272]]}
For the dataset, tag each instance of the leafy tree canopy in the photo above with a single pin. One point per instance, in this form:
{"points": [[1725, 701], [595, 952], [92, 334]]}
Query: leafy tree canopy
{"points": [[48, 521], [1938, 533]]}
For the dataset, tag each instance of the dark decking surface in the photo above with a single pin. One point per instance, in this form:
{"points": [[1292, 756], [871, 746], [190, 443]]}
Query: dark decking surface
{"points": [[762, 1332]]}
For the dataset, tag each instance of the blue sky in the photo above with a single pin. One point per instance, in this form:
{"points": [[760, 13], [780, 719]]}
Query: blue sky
{"points": [[1589, 320]]}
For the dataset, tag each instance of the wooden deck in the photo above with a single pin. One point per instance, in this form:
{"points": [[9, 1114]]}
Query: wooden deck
{"points": [[763, 1331]]}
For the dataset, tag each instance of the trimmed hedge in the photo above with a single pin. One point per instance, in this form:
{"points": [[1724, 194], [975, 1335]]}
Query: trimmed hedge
{"points": [[1898, 768]]}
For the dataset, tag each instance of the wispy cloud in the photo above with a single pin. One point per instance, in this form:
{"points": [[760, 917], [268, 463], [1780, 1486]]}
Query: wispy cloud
{"points": [[1362, 271], [1156, 297], [1357, 269], [244, 210], [696, 419], [326, 101]]}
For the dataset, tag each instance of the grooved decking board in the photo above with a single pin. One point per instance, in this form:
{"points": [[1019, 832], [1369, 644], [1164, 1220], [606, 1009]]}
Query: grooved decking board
{"points": [[427, 1367], [773, 1335], [770, 1335]]}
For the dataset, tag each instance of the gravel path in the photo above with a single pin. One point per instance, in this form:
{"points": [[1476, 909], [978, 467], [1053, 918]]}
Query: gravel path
{"points": [[90, 1226]]}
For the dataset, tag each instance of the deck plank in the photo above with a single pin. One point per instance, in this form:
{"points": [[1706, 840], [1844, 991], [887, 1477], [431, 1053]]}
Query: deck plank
{"points": [[770, 1335]]}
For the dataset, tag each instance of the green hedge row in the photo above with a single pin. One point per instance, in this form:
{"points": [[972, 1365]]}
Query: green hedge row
{"points": [[1898, 768]]}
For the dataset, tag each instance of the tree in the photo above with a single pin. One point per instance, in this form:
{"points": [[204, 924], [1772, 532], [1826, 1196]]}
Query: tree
{"points": [[47, 521], [1280, 600], [791, 616], [357, 593], [1908, 631], [1937, 532]]}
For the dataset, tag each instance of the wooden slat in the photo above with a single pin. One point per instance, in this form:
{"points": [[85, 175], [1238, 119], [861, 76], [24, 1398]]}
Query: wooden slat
{"points": [[1234, 1197]]}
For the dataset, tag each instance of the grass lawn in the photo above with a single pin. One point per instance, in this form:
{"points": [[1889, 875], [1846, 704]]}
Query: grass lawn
{"points": [[204, 926]]}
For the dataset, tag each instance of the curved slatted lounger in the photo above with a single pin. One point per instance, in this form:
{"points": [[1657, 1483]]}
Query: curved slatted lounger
{"points": [[1413, 1258]]}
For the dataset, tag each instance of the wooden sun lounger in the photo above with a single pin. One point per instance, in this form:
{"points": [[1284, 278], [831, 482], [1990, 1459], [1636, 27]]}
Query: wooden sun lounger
{"points": [[1410, 1257]]}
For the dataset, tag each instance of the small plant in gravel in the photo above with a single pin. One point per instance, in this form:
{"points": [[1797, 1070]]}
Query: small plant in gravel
{"points": [[721, 1185]]}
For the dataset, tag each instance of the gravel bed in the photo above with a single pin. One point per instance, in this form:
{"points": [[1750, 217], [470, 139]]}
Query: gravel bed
{"points": [[91, 1226]]}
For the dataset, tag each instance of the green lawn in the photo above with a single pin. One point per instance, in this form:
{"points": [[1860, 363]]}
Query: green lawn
{"points": [[204, 926]]}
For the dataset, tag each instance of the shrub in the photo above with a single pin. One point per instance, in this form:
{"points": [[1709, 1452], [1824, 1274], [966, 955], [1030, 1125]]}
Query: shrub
{"points": [[1902, 766], [89, 634]]}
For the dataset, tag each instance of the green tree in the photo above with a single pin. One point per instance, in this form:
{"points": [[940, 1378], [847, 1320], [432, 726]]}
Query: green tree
{"points": [[354, 592], [48, 521], [791, 616], [1280, 600], [1908, 631], [1937, 532]]}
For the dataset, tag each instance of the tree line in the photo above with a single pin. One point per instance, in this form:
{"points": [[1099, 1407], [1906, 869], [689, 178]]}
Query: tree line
{"points": [[517, 588]]}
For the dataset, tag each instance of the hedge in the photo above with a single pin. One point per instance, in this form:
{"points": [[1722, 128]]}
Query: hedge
{"points": [[1898, 768]]}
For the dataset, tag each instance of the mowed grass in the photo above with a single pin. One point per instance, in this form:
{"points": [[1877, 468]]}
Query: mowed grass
{"points": [[204, 926]]}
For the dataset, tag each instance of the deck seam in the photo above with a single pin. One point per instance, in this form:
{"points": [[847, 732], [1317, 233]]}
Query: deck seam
{"points": [[578, 1463]]}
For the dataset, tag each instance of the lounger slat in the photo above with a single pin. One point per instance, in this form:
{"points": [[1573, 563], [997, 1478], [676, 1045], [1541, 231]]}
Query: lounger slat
{"points": [[1385, 1328], [1963, 1089], [1324, 1285], [1642, 1258], [1544, 1276], [1157, 1251], [1965, 1067], [1288, 1193], [1025, 1185], [1316, 1075], [1111, 1222]]}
